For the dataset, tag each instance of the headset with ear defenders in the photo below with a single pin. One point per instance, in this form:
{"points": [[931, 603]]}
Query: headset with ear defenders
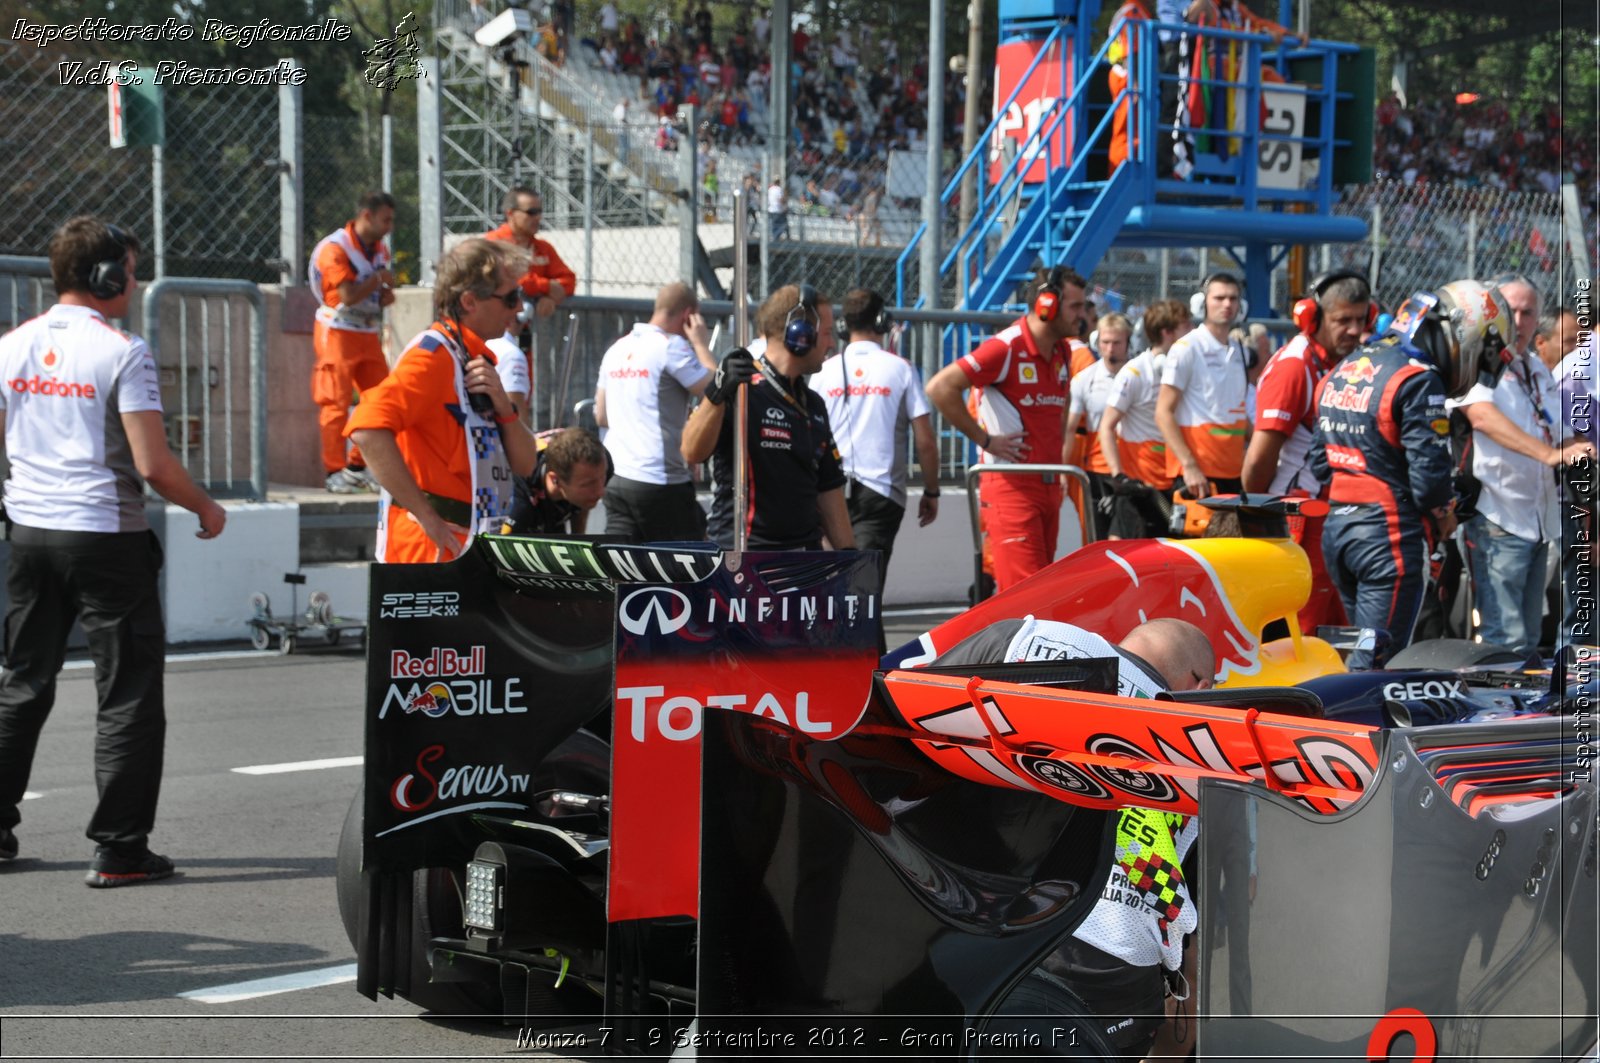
{"points": [[1307, 312], [800, 327], [1197, 301], [1047, 300], [108, 279], [882, 321]]}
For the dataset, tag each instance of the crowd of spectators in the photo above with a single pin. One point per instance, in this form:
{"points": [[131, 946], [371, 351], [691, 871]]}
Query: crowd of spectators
{"points": [[854, 100], [1479, 142]]}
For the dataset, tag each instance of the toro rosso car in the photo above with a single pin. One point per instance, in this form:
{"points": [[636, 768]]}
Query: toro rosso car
{"points": [[675, 791]]}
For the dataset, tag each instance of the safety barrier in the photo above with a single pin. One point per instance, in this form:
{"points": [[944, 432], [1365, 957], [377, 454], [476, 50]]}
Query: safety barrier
{"points": [[977, 472], [215, 391], [590, 324]]}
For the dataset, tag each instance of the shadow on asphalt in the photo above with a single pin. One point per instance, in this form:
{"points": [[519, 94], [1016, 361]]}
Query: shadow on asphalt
{"points": [[138, 965], [195, 872]]}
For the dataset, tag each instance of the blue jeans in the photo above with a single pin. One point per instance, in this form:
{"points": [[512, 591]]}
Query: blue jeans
{"points": [[1507, 584]]}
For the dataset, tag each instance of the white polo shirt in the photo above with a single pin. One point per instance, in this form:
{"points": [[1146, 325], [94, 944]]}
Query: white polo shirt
{"points": [[68, 378], [647, 376], [870, 421], [512, 365], [1519, 492], [1212, 412]]}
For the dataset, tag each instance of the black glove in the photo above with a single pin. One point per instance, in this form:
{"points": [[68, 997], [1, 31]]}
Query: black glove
{"points": [[1106, 503], [737, 368], [1123, 484]]}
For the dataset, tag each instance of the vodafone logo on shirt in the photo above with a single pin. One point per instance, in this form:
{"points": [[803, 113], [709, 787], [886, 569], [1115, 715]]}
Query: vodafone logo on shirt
{"points": [[40, 385], [861, 391]]}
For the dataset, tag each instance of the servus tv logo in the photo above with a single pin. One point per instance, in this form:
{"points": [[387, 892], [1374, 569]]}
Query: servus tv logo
{"points": [[433, 783]]}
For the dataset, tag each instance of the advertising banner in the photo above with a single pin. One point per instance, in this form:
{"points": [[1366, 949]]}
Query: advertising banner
{"points": [[1034, 106], [476, 670], [790, 638]]}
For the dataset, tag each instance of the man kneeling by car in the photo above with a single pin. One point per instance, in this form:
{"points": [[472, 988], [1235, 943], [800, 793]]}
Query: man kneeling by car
{"points": [[1127, 955]]}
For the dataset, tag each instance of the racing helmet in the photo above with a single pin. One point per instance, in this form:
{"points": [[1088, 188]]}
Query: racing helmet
{"points": [[1462, 329]]}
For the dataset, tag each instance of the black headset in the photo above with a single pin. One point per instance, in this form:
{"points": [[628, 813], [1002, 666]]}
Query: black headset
{"points": [[1197, 301], [108, 279], [875, 318], [800, 327]]}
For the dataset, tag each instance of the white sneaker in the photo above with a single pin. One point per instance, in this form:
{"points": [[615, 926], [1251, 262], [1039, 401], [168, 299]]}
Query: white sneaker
{"points": [[346, 482], [369, 482]]}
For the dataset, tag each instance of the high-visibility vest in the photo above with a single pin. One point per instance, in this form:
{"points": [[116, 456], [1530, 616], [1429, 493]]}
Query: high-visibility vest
{"points": [[363, 316]]}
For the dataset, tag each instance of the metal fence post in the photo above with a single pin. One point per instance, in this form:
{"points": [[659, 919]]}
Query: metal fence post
{"points": [[1374, 261], [930, 193], [588, 210], [158, 213], [430, 174], [1472, 244], [688, 200], [291, 182]]}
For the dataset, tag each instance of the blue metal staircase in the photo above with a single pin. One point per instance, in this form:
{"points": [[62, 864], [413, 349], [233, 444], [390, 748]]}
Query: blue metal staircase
{"points": [[1064, 216]]}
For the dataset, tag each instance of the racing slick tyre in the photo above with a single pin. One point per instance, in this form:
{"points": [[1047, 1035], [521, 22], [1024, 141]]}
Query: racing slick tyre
{"points": [[581, 763], [1449, 654], [434, 904]]}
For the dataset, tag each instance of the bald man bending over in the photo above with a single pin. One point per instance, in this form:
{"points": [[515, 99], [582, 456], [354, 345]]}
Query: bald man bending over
{"points": [[1129, 949]]}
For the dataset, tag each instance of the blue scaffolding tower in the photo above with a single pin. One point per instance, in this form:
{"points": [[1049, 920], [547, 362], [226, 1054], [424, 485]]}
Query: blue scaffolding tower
{"points": [[1046, 193]]}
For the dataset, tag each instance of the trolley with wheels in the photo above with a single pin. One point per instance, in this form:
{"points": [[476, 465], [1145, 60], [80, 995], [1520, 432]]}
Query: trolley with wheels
{"points": [[318, 623]]}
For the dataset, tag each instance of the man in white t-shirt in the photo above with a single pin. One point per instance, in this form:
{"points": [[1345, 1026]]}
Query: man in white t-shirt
{"points": [[641, 403], [1089, 391], [84, 432], [777, 210], [873, 396], [1130, 440], [1516, 442], [1201, 407]]}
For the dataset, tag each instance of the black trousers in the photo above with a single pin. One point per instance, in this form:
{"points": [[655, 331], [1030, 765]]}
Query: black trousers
{"points": [[108, 582], [654, 513], [875, 521]]}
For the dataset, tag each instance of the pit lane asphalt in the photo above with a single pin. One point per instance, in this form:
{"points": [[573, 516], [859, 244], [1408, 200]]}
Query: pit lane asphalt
{"points": [[103, 973]]}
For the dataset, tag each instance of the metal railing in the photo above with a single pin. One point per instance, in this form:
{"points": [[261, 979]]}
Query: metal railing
{"points": [[209, 432], [974, 512], [928, 339]]}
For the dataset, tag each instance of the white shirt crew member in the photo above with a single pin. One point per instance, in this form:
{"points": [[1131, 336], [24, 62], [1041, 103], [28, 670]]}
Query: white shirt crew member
{"points": [[871, 421], [1211, 412], [1519, 492], [512, 365], [647, 377], [1133, 394], [1088, 393], [68, 378]]}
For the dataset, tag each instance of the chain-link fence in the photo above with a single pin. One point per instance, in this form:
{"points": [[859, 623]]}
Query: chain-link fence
{"points": [[219, 176], [1422, 235]]}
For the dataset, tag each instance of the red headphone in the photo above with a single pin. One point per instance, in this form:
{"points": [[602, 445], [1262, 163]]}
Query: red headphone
{"points": [[1047, 300], [1307, 313]]}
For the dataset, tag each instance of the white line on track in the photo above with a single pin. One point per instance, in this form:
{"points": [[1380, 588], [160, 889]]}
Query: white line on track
{"points": [[29, 795], [299, 765], [266, 987], [926, 610], [182, 658]]}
